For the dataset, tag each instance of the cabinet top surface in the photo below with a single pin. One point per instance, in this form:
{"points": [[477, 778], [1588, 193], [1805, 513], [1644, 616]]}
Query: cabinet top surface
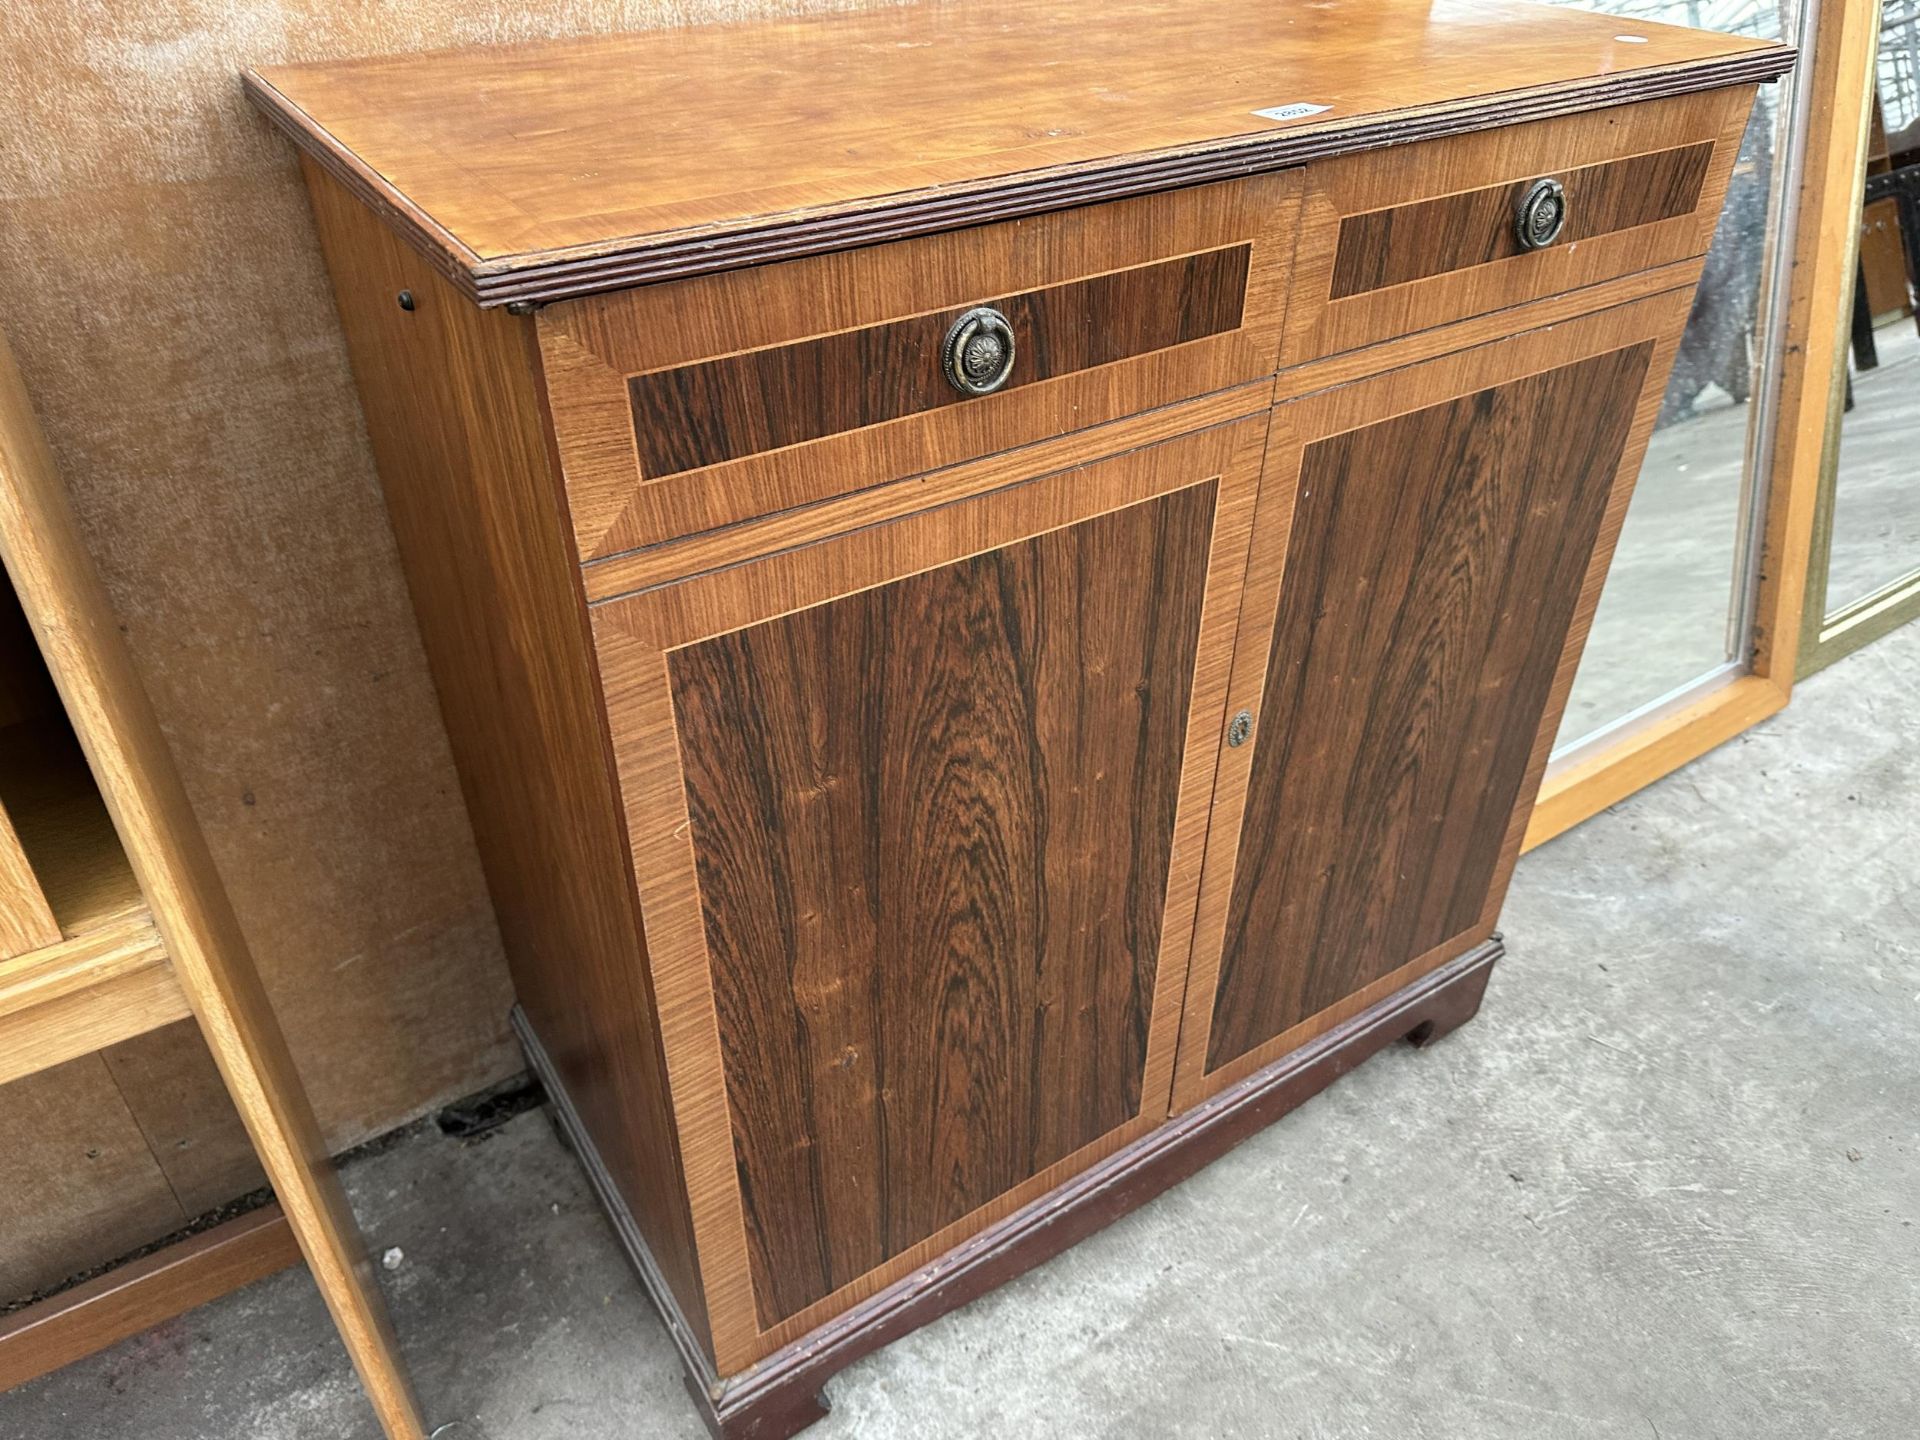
{"points": [[544, 170]]}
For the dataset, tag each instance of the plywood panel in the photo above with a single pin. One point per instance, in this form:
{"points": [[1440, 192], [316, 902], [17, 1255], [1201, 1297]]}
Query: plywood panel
{"points": [[166, 301], [185, 1114], [26, 920], [77, 1183]]}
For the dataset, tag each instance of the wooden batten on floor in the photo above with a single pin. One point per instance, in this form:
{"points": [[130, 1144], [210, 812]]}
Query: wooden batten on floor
{"points": [[142, 1293]]}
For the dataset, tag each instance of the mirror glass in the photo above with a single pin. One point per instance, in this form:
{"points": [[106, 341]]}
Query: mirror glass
{"points": [[1673, 611], [1875, 536]]}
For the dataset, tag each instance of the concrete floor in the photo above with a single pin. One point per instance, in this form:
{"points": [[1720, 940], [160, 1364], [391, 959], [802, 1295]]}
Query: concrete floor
{"points": [[1666, 1185]]}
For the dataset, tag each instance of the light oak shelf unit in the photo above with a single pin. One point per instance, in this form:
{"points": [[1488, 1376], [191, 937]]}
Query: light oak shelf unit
{"points": [[113, 922]]}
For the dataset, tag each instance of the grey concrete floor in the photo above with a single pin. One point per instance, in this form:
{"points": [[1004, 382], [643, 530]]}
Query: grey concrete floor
{"points": [[1665, 1186]]}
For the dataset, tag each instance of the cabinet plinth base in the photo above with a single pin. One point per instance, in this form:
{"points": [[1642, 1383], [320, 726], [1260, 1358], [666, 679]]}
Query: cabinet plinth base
{"points": [[782, 1394]]}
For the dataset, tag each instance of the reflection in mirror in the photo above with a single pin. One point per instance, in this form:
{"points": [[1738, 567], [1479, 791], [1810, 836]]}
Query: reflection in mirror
{"points": [[1672, 612], [1875, 527]]}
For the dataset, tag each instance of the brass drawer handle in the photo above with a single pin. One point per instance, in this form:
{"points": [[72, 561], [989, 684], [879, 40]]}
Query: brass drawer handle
{"points": [[978, 354], [1541, 214]]}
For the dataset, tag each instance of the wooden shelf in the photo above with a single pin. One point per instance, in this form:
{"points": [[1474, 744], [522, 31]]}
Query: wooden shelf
{"points": [[84, 994], [64, 828], [106, 978]]}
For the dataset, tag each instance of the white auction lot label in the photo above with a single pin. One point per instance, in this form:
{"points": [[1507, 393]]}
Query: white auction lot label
{"points": [[1291, 112]]}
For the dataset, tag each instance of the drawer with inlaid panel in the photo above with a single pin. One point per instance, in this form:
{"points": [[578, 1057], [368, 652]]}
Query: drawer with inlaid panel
{"points": [[1400, 241], [683, 407]]}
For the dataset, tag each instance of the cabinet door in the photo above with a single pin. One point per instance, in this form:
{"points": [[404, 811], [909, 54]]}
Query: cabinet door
{"points": [[1425, 561], [917, 814]]}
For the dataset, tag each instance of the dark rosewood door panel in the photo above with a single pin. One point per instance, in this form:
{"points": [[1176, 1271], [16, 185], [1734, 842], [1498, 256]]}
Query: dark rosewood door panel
{"points": [[918, 815], [1434, 562], [933, 822]]}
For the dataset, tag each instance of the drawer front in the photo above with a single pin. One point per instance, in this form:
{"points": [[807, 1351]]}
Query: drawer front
{"points": [[917, 813], [683, 407], [1399, 241]]}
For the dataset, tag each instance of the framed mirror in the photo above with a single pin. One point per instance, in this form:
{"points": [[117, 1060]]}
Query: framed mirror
{"points": [[1863, 576]]}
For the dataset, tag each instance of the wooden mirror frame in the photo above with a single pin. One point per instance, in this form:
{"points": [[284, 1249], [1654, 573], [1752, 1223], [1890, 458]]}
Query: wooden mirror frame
{"points": [[1839, 42]]}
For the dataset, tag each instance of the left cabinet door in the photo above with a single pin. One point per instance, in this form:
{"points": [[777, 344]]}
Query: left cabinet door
{"points": [[917, 815]]}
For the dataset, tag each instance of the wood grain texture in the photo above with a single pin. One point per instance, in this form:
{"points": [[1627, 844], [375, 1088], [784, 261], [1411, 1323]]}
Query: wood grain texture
{"points": [[751, 551], [693, 416], [453, 408], [80, 995], [933, 823], [590, 348], [1844, 73], [1434, 565], [785, 1393], [1346, 366], [26, 920], [64, 828], [114, 722], [1576, 792], [1353, 409], [1454, 185], [1841, 68], [137, 1296], [1475, 227], [462, 149], [634, 636], [190, 1122]]}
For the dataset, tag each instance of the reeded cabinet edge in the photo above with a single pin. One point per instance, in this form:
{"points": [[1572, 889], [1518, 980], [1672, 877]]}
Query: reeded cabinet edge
{"points": [[1079, 107]]}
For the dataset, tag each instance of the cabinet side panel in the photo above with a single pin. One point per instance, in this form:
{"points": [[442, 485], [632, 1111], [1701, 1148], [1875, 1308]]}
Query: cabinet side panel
{"points": [[1437, 559], [933, 823], [452, 404]]}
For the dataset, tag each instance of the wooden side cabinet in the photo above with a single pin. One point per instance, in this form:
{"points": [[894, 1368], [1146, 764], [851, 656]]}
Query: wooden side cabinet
{"points": [[994, 648]]}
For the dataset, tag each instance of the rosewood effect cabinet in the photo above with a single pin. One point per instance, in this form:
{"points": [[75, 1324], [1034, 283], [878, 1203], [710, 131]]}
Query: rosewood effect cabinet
{"points": [[1000, 576]]}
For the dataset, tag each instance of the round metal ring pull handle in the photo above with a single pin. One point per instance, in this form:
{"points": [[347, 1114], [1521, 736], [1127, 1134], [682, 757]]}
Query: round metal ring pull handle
{"points": [[978, 353], [1540, 215]]}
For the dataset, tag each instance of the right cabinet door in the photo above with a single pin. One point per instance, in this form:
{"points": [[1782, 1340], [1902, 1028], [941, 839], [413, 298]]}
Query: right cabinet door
{"points": [[1427, 550]]}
